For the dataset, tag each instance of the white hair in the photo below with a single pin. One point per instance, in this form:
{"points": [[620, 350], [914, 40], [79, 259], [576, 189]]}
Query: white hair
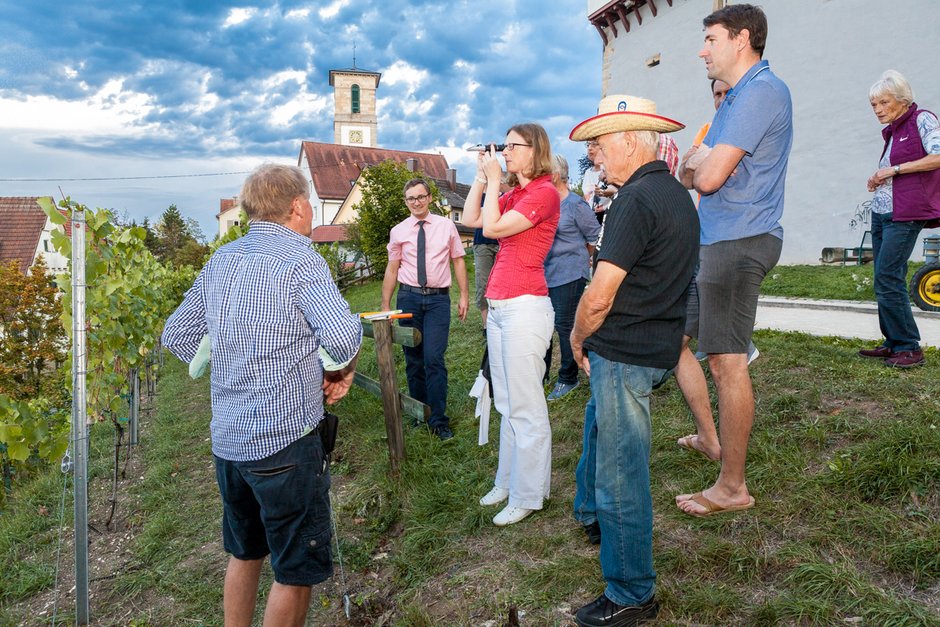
{"points": [[650, 139], [893, 83], [561, 167]]}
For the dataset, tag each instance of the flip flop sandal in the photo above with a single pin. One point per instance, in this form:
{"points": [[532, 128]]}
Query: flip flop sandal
{"points": [[712, 508]]}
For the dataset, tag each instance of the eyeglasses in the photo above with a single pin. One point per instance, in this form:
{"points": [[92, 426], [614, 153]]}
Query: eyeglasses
{"points": [[414, 199], [512, 146], [592, 143]]}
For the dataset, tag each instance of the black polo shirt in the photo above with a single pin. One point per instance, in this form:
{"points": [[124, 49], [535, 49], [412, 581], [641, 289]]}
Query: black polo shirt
{"points": [[652, 232]]}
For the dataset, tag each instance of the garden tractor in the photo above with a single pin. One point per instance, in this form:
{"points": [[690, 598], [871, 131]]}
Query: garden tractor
{"points": [[925, 284]]}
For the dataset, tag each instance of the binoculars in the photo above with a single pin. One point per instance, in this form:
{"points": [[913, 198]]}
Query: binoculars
{"points": [[485, 147]]}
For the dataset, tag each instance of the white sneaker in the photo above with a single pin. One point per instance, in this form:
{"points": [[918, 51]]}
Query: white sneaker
{"points": [[753, 355], [511, 515], [494, 496]]}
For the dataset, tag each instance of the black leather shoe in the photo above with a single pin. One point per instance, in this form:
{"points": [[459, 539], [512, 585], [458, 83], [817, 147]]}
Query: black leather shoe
{"points": [[443, 433], [602, 612], [593, 532]]}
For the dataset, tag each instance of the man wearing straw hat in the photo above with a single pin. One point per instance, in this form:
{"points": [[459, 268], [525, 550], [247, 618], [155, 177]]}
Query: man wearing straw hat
{"points": [[627, 335], [740, 170]]}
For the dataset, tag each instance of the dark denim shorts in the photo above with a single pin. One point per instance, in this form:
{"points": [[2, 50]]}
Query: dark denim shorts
{"points": [[280, 505]]}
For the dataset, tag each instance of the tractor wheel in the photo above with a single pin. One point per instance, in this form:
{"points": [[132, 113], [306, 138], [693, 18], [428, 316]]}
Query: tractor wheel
{"points": [[925, 287]]}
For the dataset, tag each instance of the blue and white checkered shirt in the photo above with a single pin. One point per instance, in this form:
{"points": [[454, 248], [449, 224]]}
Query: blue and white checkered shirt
{"points": [[268, 303]]}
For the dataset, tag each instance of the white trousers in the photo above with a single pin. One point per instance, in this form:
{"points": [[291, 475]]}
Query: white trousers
{"points": [[518, 331]]}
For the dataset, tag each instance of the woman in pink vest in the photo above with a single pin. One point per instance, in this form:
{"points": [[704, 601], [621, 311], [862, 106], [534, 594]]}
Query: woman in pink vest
{"points": [[907, 199], [520, 321]]}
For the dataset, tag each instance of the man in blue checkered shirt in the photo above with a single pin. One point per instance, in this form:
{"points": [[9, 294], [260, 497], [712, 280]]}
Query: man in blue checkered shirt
{"points": [[270, 308]]}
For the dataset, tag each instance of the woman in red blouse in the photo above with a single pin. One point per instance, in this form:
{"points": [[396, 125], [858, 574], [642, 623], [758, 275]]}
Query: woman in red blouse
{"points": [[521, 318]]}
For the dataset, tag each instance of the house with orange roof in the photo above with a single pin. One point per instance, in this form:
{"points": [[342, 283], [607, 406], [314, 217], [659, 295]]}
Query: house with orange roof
{"points": [[26, 233]]}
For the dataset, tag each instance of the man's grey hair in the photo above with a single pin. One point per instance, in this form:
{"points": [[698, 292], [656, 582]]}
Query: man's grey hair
{"points": [[560, 167], [650, 139], [269, 191], [893, 83]]}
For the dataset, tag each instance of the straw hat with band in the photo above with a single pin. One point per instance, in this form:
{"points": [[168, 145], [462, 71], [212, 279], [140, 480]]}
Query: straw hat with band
{"points": [[620, 112]]}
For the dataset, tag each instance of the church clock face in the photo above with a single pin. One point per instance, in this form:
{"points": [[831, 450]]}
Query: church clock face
{"points": [[355, 137]]}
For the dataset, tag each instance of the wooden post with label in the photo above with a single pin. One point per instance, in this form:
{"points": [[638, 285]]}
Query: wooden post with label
{"points": [[385, 361]]}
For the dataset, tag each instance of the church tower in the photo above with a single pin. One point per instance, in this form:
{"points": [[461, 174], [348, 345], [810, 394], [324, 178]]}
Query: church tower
{"points": [[354, 119]]}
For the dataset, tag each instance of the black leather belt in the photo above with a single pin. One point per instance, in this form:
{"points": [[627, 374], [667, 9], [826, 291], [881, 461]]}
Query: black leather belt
{"points": [[424, 290]]}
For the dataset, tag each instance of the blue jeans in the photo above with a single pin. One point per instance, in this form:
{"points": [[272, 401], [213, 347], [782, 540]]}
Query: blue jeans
{"points": [[424, 363], [892, 244], [612, 477], [565, 300]]}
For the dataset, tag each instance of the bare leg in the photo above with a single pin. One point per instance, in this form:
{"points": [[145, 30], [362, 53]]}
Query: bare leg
{"points": [[287, 606], [736, 414], [241, 591], [691, 380]]}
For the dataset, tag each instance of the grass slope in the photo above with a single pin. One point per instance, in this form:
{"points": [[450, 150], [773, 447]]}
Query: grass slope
{"points": [[844, 464]]}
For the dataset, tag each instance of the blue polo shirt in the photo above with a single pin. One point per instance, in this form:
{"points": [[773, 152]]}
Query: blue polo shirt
{"points": [[757, 117]]}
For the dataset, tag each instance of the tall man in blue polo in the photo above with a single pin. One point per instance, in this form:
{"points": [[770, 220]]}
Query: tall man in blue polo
{"points": [[421, 249], [270, 308], [740, 170], [627, 335]]}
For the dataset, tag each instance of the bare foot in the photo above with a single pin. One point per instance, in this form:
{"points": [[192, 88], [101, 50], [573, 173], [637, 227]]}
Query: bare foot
{"points": [[693, 443]]}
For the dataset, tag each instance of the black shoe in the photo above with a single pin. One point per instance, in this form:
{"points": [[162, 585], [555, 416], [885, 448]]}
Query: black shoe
{"points": [[444, 433], [593, 532], [602, 612]]}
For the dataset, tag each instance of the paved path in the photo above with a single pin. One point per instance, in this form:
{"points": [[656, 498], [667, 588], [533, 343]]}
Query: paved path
{"points": [[842, 318]]}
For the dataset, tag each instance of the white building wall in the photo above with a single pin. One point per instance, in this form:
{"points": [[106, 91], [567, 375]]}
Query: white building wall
{"points": [[319, 210], [829, 52], [56, 263]]}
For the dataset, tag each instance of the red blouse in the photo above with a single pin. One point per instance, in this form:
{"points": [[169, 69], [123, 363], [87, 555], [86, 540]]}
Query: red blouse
{"points": [[520, 263]]}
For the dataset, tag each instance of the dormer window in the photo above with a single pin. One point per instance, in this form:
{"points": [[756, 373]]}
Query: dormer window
{"points": [[355, 98]]}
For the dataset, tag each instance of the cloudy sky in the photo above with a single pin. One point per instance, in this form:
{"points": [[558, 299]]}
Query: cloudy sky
{"points": [[157, 99]]}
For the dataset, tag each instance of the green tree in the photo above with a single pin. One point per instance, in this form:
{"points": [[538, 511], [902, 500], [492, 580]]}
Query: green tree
{"points": [[383, 206], [334, 259], [151, 241], [179, 240], [191, 253], [32, 339]]}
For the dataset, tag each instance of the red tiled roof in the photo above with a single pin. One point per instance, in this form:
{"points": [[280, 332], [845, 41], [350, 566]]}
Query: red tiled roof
{"points": [[329, 233], [68, 223], [334, 168], [21, 225], [225, 204]]}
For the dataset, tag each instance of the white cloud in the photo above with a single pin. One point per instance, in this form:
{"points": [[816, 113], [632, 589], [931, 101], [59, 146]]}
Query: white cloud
{"points": [[462, 161], [302, 103], [282, 77], [418, 107], [402, 72], [237, 16], [513, 38], [331, 10], [110, 110], [297, 14]]}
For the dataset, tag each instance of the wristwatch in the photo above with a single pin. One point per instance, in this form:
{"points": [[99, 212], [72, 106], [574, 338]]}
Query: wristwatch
{"points": [[897, 170]]}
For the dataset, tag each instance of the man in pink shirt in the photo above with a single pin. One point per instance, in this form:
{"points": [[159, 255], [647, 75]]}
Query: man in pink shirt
{"points": [[420, 250]]}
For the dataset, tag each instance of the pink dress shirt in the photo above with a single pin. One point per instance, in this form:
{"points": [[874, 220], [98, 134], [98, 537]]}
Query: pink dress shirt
{"points": [[442, 243]]}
